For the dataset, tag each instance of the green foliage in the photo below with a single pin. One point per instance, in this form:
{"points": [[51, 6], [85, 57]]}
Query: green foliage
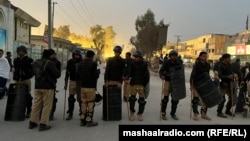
{"points": [[147, 36]]}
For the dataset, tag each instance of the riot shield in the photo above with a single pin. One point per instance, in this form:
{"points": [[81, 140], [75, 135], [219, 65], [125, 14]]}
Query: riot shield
{"points": [[208, 91], [177, 82]]}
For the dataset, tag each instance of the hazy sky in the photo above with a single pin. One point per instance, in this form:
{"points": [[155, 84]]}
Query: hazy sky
{"points": [[187, 18]]}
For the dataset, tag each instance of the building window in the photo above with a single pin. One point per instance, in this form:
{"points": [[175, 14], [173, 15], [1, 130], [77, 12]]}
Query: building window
{"points": [[23, 25], [204, 40]]}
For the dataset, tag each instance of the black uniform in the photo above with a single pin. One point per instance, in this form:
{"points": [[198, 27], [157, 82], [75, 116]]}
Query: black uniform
{"points": [[71, 75], [139, 75], [165, 72], [198, 71], [114, 69], [23, 73], [226, 87]]}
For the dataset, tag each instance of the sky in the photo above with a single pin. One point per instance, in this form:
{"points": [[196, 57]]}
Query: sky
{"points": [[187, 19]]}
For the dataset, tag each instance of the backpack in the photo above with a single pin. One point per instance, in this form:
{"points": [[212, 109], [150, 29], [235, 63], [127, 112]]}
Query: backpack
{"points": [[39, 70]]}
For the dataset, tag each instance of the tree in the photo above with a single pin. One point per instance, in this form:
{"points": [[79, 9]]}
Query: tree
{"points": [[80, 39], [62, 32], [109, 38], [103, 38], [142, 21], [147, 36], [98, 37]]}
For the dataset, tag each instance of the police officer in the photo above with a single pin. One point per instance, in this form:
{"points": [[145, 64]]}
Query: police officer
{"points": [[165, 73], [227, 85], [54, 59], [128, 61], [114, 69], [71, 76], [88, 75], [139, 78], [23, 72], [200, 67], [46, 74]]}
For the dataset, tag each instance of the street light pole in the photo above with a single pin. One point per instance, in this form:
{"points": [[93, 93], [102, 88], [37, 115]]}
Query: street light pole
{"points": [[53, 13], [49, 25], [178, 40]]}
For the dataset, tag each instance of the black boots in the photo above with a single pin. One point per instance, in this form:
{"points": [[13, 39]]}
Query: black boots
{"points": [[91, 123], [32, 125], [164, 104], [163, 116], [195, 103], [28, 105], [70, 116], [173, 109], [44, 127], [53, 108], [71, 104], [83, 122]]}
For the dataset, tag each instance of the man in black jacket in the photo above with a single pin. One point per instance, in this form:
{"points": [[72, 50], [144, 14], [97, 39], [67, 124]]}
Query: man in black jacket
{"points": [[114, 69], [46, 74], [23, 72], [139, 75], [88, 74], [70, 76], [200, 67], [54, 59], [227, 86], [172, 63]]}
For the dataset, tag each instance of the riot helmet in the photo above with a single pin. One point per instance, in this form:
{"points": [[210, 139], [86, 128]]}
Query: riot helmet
{"points": [[21, 48], [137, 54], [76, 52], [173, 53], [117, 49]]}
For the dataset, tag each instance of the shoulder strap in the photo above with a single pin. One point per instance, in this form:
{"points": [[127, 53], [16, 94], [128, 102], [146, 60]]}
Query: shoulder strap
{"points": [[45, 64]]}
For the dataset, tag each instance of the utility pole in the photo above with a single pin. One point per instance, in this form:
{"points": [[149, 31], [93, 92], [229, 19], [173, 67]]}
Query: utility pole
{"points": [[247, 23], [178, 40], [49, 25], [53, 13]]}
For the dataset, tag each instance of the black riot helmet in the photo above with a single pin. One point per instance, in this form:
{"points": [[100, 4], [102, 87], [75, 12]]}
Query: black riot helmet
{"points": [[173, 53], [76, 52], [137, 54], [117, 49], [21, 48]]}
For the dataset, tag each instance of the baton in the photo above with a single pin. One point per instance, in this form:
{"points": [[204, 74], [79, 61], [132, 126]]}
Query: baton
{"points": [[161, 98], [64, 105], [191, 100]]}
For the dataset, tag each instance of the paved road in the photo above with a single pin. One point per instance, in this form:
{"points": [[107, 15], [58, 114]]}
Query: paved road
{"points": [[106, 130]]}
